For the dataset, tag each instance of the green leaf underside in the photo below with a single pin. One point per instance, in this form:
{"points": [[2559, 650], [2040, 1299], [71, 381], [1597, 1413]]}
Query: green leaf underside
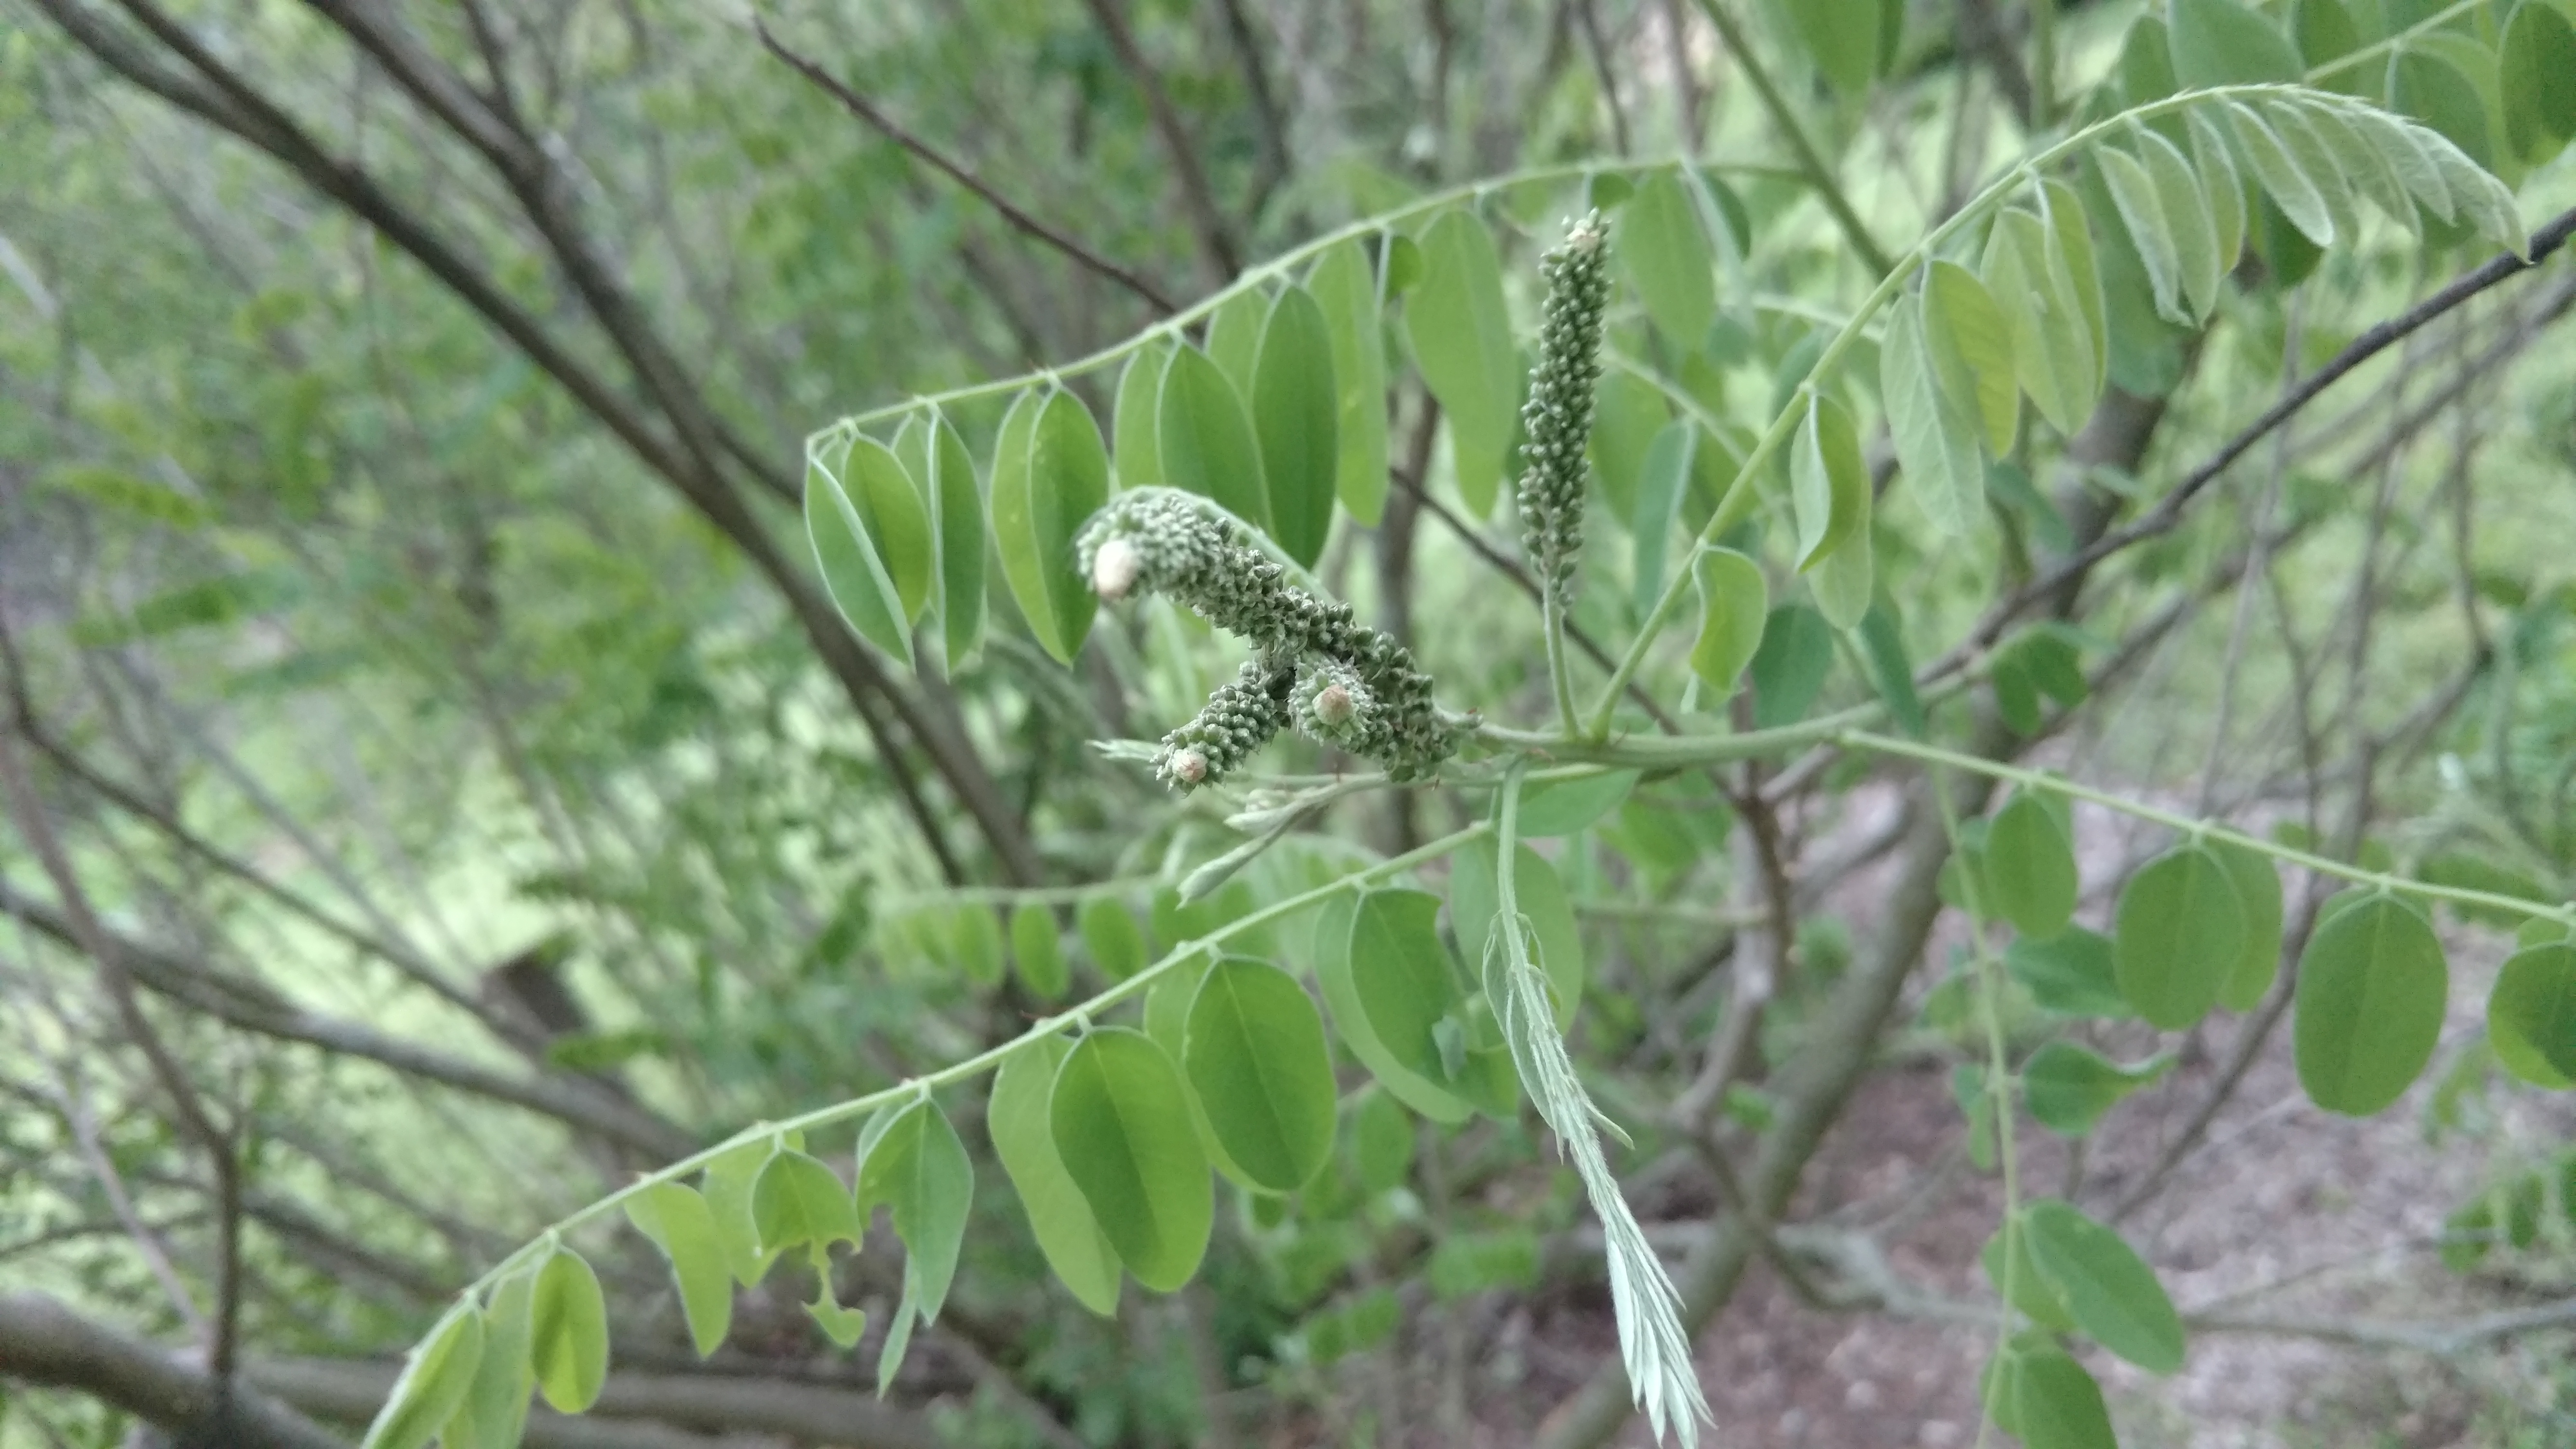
{"points": [[1462, 340], [2030, 867], [1347, 289], [1050, 474], [1296, 416], [853, 574], [1556, 939], [2179, 931], [2072, 973], [1256, 1054], [1733, 602], [1124, 1136], [568, 1333], [2110, 1292], [1058, 1214], [2258, 892], [435, 1379], [495, 1407], [1667, 253], [2068, 1087], [1205, 439], [681, 1224], [1340, 939], [2368, 1011], [2531, 1014]]}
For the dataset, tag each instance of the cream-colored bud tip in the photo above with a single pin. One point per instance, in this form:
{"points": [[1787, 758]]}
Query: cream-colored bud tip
{"points": [[1114, 569], [1189, 767]]}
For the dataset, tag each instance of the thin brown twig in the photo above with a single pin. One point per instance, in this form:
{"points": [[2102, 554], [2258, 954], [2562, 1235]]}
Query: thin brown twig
{"points": [[1018, 216]]}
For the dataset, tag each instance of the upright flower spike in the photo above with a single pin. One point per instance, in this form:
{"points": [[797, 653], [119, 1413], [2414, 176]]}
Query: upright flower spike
{"points": [[1558, 416], [1317, 667]]}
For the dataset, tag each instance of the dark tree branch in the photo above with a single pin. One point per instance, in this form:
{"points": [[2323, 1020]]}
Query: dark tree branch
{"points": [[2168, 511], [1216, 242], [885, 125], [44, 1343], [707, 1403], [251, 1007], [1272, 123], [687, 462], [195, 1121]]}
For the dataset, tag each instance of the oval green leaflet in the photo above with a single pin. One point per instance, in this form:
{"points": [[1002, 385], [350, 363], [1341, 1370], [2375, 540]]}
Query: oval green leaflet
{"points": [[1338, 945], [1038, 951], [729, 1181], [568, 1333], [911, 1162], [853, 573], [2072, 973], [1058, 1214], [1254, 1049], [1668, 255], [435, 1379], [1050, 474], [1845, 583], [1234, 336], [2258, 890], [2531, 1014], [799, 1201], [1628, 417], [2177, 934], [1112, 937], [2008, 1265], [1346, 288], [2224, 42], [2187, 216], [1136, 452], [681, 1224], [1556, 939], [1381, 1141], [1296, 416], [1125, 1138], [1404, 981], [1562, 807], [2030, 867], [1789, 668], [2056, 1404], [495, 1408], [2368, 1013], [1735, 604], [1971, 345], [2110, 1292], [1462, 340], [957, 523], [1663, 475], [2051, 352], [2068, 1087], [1167, 1022], [895, 512], [2134, 195], [1828, 481], [1206, 441], [2536, 82], [1935, 438], [976, 939]]}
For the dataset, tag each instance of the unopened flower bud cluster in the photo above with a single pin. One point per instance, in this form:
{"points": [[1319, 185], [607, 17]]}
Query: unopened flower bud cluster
{"points": [[1557, 419], [1317, 668]]}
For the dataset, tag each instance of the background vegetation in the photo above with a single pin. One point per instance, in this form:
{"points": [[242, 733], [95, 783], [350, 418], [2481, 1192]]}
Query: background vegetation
{"points": [[441, 786]]}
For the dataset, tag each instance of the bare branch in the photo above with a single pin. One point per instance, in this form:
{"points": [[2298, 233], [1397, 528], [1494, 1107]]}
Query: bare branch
{"points": [[42, 1342]]}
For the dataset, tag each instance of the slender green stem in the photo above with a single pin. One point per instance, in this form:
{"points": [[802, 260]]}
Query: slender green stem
{"points": [[978, 1064], [2309, 860], [2000, 1087], [1276, 268], [1740, 495], [1559, 676], [2378, 48], [1810, 160]]}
